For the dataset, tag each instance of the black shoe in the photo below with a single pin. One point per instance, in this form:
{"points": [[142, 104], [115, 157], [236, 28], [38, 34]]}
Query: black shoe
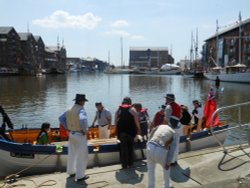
{"points": [[72, 175], [124, 166], [82, 179], [175, 163], [130, 166]]}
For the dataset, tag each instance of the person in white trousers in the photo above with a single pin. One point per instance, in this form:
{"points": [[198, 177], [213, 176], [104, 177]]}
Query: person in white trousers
{"points": [[103, 119], [75, 120], [159, 151], [173, 115]]}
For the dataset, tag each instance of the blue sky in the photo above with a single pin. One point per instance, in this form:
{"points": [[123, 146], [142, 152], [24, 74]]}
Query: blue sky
{"points": [[93, 28]]}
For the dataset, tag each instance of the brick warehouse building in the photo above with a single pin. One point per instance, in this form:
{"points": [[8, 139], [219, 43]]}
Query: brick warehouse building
{"points": [[10, 47], [149, 57], [222, 49], [27, 53]]}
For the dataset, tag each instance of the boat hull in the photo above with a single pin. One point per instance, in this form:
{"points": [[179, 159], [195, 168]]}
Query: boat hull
{"points": [[193, 74], [243, 77], [40, 159], [170, 72], [201, 140], [14, 157]]}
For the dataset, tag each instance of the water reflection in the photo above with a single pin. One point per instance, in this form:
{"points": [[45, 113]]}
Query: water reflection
{"points": [[25, 98], [156, 87], [33, 100]]}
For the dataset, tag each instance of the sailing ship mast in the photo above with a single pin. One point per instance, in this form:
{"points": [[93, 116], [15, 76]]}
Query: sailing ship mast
{"points": [[122, 64], [109, 57], [217, 43], [191, 52], [196, 50], [240, 38]]}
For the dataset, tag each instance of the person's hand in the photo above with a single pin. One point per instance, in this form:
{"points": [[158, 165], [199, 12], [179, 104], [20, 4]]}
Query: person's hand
{"points": [[138, 138], [138, 131]]}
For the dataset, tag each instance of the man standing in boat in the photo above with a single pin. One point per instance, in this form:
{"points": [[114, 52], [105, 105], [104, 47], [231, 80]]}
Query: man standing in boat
{"points": [[217, 82], [197, 115], [75, 120], [173, 115], [103, 120], [127, 127]]}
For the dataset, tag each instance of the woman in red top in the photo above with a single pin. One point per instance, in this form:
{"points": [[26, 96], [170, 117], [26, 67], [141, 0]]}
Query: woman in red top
{"points": [[159, 116]]}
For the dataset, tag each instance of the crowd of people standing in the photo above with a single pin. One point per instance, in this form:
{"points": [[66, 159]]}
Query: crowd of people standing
{"points": [[131, 121]]}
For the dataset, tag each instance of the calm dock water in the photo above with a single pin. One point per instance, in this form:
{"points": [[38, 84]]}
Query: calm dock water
{"points": [[33, 100]]}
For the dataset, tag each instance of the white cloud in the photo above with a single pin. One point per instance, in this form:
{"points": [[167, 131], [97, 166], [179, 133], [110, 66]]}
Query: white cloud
{"points": [[62, 19], [120, 24], [121, 33], [137, 37], [118, 31]]}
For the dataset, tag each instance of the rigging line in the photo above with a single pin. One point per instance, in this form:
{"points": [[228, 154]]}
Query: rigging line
{"points": [[33, 165], [13, 177]]}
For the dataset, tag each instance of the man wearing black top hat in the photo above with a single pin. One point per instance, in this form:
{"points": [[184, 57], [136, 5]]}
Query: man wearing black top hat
{"points": [[75, 120]]}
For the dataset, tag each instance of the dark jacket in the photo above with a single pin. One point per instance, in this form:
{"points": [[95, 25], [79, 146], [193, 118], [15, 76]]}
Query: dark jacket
{"points": [[126, 123]]}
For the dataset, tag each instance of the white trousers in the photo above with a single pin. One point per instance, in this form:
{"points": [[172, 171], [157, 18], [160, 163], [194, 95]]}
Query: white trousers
{"points": [[176, 144], [103, 132], [157, 154], [77, 154]]}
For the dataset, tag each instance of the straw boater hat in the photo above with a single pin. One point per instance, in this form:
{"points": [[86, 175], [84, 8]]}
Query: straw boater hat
{"points": [[170, 96]]}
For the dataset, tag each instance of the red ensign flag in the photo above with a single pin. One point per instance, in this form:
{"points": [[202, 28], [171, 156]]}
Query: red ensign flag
{"points": [[209, 109]]}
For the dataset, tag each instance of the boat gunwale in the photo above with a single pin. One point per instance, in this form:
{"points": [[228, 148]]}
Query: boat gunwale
{"points": [[28, 148]]}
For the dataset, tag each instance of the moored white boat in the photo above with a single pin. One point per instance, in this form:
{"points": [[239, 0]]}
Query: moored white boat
{"points": [[235, 73], [169, 72], [118, 71], [8, 71], [230, 71], [169, 69], [14, 157]]}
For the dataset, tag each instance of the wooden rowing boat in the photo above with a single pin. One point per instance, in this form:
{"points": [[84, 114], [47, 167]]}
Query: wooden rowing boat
{"points": [[21, 156]]}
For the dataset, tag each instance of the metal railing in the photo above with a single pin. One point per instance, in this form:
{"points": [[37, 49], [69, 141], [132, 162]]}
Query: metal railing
{"points": [[239, 122]]}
